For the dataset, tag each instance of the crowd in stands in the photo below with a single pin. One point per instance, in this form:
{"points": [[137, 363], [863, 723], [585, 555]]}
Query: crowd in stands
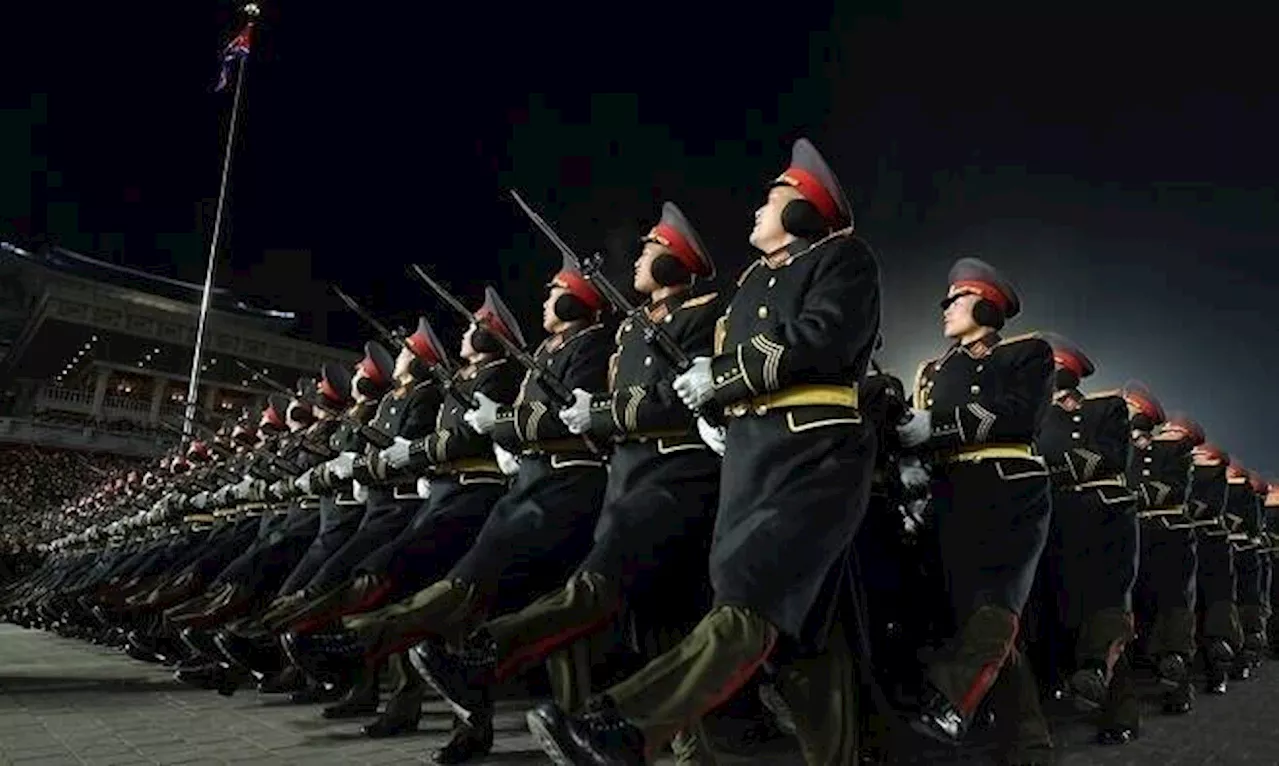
{"points": [[44, 492]]}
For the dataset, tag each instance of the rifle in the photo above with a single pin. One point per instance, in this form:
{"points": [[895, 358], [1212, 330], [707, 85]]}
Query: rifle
{"points": [[592, 267], [371, 434], [554, 387], [441, 371]]}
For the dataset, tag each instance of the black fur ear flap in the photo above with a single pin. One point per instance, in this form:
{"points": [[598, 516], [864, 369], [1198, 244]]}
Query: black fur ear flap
{"points": [[668, 271], [368, 388], [1141, 422], [1064, 379], [418, 370], [988, 314], [800, 218], [484, 342], [569, 308]]}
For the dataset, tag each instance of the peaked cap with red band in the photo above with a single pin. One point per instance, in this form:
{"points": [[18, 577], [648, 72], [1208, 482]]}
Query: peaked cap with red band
{"points": [[1184, 422], [335, 384], [1236, 470], [198, 449], [1273, 496], [1257, 483], [1068, 355], [378, 364], [578, 286], [494, 316], [977, 276], [273, 416], [1211, 451], [675, 232], [1138, 395], [810, 175], [425, 345]]}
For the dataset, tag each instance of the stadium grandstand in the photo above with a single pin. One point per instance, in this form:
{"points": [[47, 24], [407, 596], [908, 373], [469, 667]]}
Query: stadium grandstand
{"points": [[94, 366]]}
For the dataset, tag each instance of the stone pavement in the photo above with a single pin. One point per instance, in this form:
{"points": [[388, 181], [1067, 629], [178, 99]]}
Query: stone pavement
{"points": [[67, 702]]}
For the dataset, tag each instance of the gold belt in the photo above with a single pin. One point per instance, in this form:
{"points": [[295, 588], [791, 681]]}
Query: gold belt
{"points": [[200, 517], [469, 465], [979, 452], [556, 447], [814, 395]]}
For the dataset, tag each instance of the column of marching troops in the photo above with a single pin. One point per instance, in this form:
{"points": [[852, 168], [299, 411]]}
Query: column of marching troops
{"points": [[727, 494]]}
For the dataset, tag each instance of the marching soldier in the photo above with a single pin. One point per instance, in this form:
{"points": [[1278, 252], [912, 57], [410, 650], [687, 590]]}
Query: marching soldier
{"points": [[977, 410], [542, 526], [1092, 561], [1160, 471], [1220, 635], [663, 483], [790, 352], [1253, 584]]}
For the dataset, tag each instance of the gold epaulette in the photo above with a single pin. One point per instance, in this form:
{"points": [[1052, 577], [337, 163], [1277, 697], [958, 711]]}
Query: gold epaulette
{"points": [[1106, 394], [1022, 337], [701, 300], [743, 276]]}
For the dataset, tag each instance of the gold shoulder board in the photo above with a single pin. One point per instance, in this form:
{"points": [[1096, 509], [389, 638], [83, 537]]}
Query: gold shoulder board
{"points": [[701, 300]]}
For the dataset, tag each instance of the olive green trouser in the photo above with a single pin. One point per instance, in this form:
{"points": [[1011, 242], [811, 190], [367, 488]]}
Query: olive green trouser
{"points": [[449, 609], [568, 623], [717, 658], [1015, 699], [1222, 621], [1253, 618], [967, 672], [1103, 637], [1122, 708], [1173, 631]]}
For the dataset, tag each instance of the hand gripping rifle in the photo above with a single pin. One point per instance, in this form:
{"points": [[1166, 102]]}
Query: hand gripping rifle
{"points": [[554, 387], [442, 371], [371, 434], [592, 268]]}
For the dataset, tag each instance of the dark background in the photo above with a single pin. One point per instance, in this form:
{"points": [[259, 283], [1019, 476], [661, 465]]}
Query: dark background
{"points": [[1119, 165]]}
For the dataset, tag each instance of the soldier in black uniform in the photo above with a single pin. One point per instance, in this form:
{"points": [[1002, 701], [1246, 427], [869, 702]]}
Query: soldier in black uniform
{"points": [[1221, 636], [1091, 562], [542, 526], [790, 353], [660, 501], [1253, 583], [1270, 546], [977, 411], [1165, 595]]}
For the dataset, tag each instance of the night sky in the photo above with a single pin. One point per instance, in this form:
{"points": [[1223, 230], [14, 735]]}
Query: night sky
{"points": [[1119, 166]]}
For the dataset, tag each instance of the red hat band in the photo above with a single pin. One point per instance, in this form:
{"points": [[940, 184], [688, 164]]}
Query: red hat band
{"points": [[370, 370], [1143, 404], [271, 417], [422, 348], [812, 189], [1068, 362], [988, 292], [670, 237], [580, 288], [326, 390], [489, 320]]}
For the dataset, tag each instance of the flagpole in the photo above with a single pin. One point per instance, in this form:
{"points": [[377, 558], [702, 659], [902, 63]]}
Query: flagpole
{"points": [[194, 385]]}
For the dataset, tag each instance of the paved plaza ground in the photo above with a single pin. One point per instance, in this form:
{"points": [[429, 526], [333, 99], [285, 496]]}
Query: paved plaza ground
{"points": [[68, 702]]}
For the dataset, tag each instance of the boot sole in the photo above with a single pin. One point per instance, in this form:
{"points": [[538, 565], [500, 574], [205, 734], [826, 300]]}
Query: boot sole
{"points": [[542, 736], [464, 713]]}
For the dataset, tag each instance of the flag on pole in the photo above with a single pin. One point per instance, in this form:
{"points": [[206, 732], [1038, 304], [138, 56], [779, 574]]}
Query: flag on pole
{"points": [[236, 50]]}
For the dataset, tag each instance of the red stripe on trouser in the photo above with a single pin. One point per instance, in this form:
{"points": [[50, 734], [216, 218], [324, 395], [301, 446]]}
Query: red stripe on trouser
{"points": [[986, 676], [1117, 648], [540, 649], [368, 602]]}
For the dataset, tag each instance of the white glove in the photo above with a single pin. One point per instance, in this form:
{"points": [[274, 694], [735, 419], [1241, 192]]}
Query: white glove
{"points": [[510, 464], [484, 416], [341, 465], [423, 487], [243, 490], [577, 418], [303, 482], [200, 501], [713, 436], [282, 489], [359, 491], [693, 386], [916, 431], [397, 455], [912, 474]]}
